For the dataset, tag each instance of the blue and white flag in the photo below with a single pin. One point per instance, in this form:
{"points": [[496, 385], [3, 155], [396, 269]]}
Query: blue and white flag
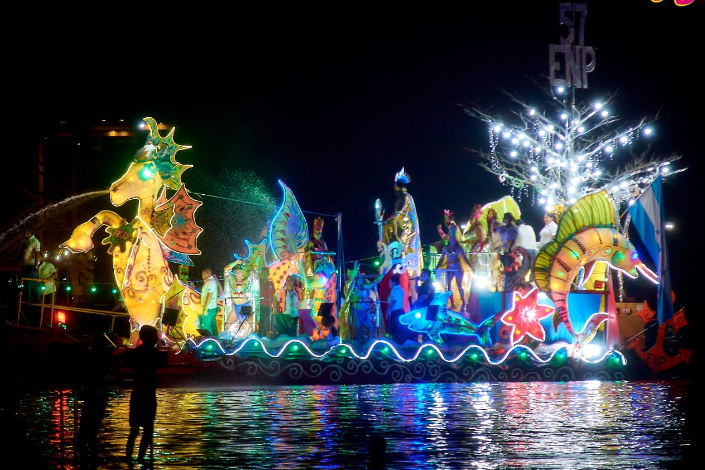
{"points": [[647, 217]]}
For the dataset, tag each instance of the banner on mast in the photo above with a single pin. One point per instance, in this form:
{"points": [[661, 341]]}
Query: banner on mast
{"points": [[647, 218]]}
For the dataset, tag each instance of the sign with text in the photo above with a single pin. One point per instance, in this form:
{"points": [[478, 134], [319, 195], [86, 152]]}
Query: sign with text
{"points": [[569, 63]]}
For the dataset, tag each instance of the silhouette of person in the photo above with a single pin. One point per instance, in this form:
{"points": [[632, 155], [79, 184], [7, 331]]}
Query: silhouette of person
{"points": [[378, 452], [426, 292], [96, 371], [144, 360], [327, 330]]}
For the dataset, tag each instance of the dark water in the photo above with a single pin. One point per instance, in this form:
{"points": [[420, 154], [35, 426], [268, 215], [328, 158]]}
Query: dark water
{"points": [[541, 425]]}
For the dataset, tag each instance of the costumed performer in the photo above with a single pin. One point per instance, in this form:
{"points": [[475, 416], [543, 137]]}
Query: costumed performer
{"points": [[508, 235], [398, 267], [398, 332], [475, 240], [479, 248], [403, 226], [286, 319], [316, 248], [449, 221], [492, 212], [323, 289], [384, 258], [455, 263], [241, 290], [362, 306]]}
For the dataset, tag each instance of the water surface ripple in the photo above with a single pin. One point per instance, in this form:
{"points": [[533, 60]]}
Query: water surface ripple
{"points": [[541, 425]]}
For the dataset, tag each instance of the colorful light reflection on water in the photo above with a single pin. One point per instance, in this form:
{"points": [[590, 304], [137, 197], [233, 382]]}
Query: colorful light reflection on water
{"points": [[607, 425]]}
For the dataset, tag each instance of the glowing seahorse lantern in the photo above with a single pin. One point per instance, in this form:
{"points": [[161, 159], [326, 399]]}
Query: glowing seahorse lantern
{"points": [[163, 231], [586, 235]]}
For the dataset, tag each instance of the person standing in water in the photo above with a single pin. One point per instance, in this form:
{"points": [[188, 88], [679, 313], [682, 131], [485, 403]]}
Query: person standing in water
{"points": [[144, 360]]}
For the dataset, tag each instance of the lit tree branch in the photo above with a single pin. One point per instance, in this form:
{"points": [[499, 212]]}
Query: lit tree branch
{"points": [[558, 156]]}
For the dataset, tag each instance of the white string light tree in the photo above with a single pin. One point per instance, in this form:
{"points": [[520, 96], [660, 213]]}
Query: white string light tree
{"points": [[558, 156]]}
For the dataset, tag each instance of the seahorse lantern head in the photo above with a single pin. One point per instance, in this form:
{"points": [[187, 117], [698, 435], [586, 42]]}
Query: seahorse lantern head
{"points": [[153, 166]]}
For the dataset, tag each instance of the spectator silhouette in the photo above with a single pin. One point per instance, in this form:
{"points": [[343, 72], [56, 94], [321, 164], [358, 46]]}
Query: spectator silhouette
{"points": [[96, 372], [378, 452], [144, 360]]}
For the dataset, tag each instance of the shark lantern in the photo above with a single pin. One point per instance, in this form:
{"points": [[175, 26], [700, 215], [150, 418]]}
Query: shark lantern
{"points": [[163, 231], [586, 235], [436, 320]]}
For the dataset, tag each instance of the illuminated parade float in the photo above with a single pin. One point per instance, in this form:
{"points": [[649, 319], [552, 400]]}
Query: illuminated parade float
{"points": [[552, 317], [290, 311]]}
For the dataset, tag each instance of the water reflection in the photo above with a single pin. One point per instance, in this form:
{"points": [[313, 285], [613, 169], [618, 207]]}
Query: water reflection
{"points": [[615, 425]]}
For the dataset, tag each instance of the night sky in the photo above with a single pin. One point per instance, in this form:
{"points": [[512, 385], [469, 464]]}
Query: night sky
{"points": [[334, 101]]}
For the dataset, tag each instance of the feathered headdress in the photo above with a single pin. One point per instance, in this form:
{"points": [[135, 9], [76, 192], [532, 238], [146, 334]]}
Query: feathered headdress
{"points": [[318, 224], [402, 178], [448, 215], [239, 266], [476, 211]]}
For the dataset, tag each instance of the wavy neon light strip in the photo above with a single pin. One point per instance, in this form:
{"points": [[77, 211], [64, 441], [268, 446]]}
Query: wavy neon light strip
{"points": [[429, 347]]}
